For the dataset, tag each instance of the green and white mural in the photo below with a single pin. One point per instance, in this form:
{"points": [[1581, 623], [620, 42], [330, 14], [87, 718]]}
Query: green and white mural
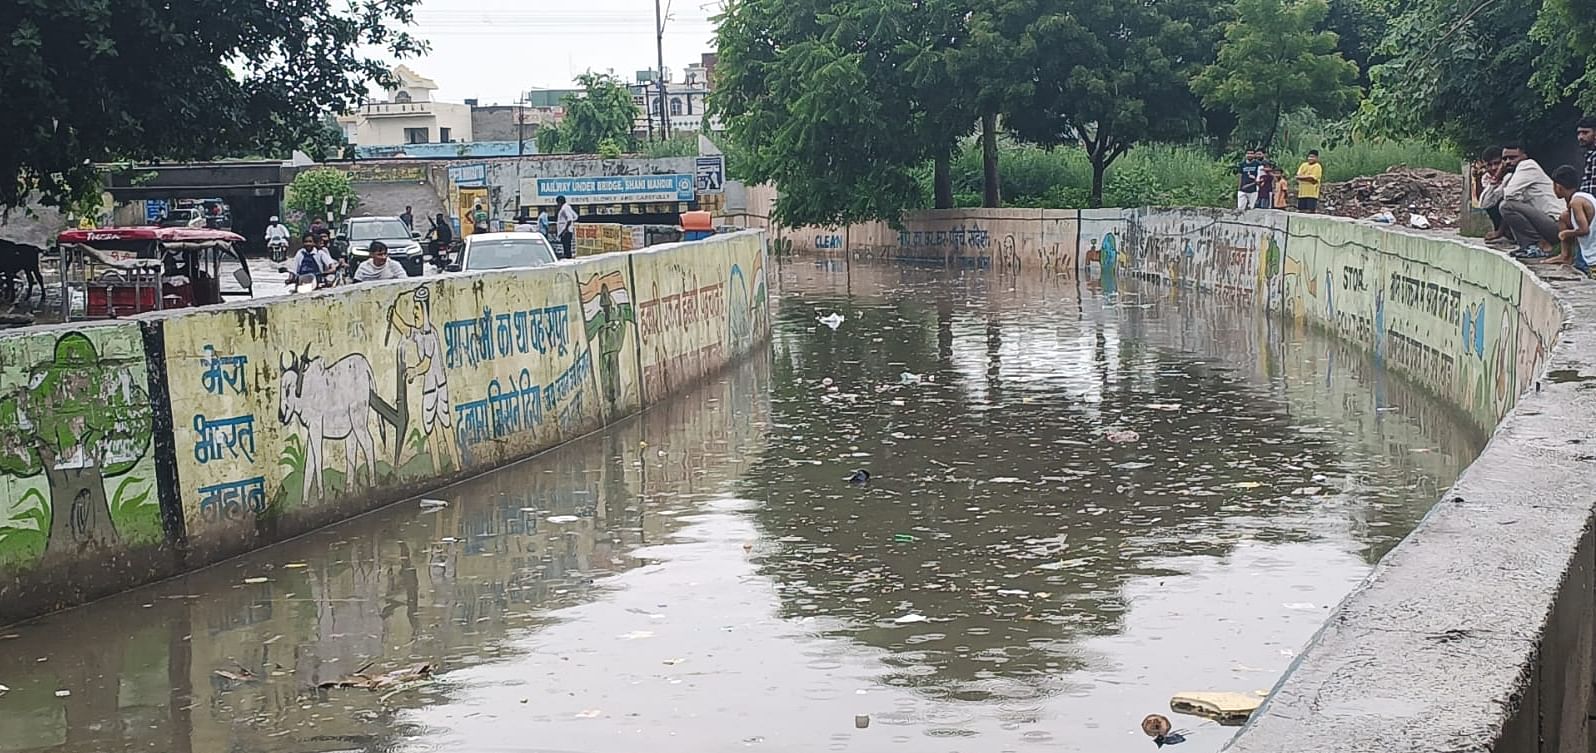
{"points": [[77, 472]]}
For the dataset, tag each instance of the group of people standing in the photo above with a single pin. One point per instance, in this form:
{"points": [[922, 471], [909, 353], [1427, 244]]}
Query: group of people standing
{"points": [[1544, 217], [1264, 185]]}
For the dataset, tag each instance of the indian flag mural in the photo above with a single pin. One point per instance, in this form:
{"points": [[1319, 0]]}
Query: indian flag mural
{"points": [[605, 301]]}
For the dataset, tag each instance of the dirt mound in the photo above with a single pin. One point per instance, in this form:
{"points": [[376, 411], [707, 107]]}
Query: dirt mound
{"points": [[1401, 191]]}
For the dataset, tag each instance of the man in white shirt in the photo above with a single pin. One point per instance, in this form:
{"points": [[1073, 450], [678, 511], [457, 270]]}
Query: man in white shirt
{"points": [[377, 266], [565, 221], [1528, 203]]}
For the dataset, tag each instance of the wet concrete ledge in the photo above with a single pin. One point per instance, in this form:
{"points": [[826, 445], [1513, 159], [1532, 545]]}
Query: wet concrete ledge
{"points": [[1476, 632]]}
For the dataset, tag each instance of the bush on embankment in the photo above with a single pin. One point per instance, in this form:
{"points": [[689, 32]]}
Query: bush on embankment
{"points": [[1165, 175]]}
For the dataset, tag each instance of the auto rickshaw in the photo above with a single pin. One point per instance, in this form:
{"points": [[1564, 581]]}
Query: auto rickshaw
{"points": [[119, 271]]}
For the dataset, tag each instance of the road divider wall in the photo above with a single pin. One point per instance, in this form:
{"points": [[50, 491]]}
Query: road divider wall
{"points": [[137, 449], [1478, 631]]}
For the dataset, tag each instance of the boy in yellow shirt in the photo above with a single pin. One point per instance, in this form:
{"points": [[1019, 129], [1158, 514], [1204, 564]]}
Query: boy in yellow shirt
{"points": [[1309, 175]]}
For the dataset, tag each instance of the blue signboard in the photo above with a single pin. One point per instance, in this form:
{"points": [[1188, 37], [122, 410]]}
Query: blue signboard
{"points": [[619, 189], [154, 210]]}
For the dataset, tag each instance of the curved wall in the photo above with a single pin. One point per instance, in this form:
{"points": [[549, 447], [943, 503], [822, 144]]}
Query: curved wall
{"points": [[1476, 632], [137, 449]]}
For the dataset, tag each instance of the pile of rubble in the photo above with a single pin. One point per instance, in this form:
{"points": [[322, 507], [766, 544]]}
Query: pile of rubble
{"points": [[1396, 194]]}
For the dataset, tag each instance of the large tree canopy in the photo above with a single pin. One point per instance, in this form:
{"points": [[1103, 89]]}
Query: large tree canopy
{"points": [[600, 119], [837, 101], [1275, 59], [1106, 74], [98, 81], [1461, 73]]}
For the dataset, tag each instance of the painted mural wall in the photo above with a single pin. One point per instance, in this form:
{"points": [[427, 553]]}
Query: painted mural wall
{"points": [[700, 305], [1467, 323], [289, 415], [77, 460]]}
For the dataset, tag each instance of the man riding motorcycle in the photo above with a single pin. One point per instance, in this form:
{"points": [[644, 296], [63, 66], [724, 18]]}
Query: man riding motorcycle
{"points": [[377, 266], [311, 263], [277, 239]]}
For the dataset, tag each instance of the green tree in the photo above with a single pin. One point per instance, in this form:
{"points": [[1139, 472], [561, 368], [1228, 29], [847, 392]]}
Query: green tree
{"points": [[324, 142], [308, 194], [94, 82], [1103, 74], [840, 102], [79, 419], [604, 112], [1457, 73], [1274, 60]]}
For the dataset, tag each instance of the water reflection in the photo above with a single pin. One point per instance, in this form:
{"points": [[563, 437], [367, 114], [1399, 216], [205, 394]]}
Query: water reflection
{"points": [[457, 586], [703, 578]]}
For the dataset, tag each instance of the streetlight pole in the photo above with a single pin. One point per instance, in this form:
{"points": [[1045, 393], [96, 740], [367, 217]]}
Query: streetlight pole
{"points": [[659, 47]]}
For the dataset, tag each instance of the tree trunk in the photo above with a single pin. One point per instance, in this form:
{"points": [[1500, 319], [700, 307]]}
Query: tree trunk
{"points": [[992, 196], [942, 180], [1099, 167], [80, 517]]}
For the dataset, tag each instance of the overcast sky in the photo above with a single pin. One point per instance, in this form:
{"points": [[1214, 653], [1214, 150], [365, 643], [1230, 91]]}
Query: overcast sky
{"points": [[495, 49]]}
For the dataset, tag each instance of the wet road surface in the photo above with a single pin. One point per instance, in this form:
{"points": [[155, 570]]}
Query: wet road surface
{"points": [[1021, 573]]}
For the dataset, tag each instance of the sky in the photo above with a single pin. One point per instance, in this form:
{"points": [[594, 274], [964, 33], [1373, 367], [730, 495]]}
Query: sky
{"points": [[495, 49]]}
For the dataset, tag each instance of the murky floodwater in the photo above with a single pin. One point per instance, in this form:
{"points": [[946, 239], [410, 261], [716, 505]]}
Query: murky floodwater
{"points": [[703, 578]]}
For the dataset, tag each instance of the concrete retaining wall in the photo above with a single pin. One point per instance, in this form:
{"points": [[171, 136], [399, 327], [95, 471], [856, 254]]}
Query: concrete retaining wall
{"points": [[140, 448], [1476, 632]]}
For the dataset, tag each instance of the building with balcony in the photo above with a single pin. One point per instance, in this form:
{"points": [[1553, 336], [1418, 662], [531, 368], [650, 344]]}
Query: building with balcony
{"points": [[408, 115], [684, 103]]}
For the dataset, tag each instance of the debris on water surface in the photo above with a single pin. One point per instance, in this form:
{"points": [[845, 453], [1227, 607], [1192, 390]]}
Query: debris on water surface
{"points": [[563, 518], [62, 693], [909, 378], [912, 618], [1122, 436], [434, 504], [589, 714], [359, 679], [256, 579], [859, 477], [1229, 709], [242, 675], [903, 538], [826, 382], [1157, 726], [832, 320], [861, 721]]}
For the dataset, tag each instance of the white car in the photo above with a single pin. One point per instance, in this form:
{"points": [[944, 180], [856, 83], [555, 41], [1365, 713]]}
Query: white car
{"points": [[485, 251]]}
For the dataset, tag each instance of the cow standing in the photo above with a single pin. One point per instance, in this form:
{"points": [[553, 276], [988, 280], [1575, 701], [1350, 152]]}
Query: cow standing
{"points": [[330, 401], [24, 258]]}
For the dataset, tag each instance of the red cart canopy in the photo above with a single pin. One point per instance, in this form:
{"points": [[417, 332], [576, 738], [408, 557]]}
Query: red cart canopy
{"points": [[162, 234]]}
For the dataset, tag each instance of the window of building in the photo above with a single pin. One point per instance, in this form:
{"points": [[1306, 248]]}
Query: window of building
{"points": [[676, 106], [443, 135], [415, 135]]}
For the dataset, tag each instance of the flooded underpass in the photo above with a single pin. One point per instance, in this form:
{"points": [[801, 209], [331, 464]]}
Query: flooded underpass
{"points": [[1079, 505]]}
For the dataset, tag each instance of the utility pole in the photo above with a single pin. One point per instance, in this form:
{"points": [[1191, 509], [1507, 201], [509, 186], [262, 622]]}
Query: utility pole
{"points": [[520, 144], [659, 47]]}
